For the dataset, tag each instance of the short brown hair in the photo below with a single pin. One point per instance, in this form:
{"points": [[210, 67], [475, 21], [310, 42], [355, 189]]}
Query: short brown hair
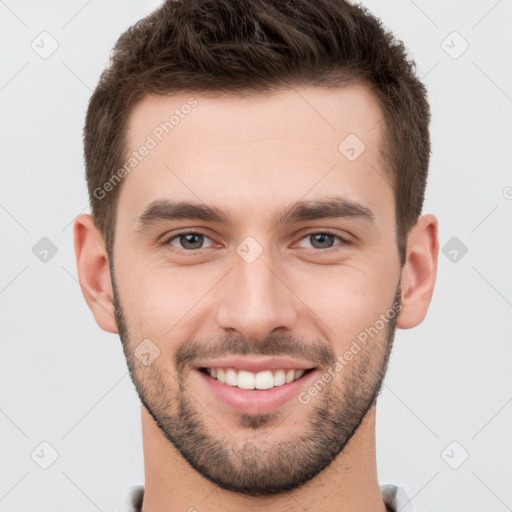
{"points": [[240, 47]]}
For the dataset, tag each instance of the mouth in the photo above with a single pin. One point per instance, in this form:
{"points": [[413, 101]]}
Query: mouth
{"points": [[255, 393], [263, 380]]}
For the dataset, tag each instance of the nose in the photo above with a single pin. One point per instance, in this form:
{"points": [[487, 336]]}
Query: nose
{"points": [[256, 299]]}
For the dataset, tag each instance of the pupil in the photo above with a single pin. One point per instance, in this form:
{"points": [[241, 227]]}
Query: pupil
{"points": [[189, 241], [322, 237]]}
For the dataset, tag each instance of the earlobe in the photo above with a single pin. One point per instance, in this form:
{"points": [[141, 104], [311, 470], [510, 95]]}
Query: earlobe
{"points": [[93, 272], [419, 272]]}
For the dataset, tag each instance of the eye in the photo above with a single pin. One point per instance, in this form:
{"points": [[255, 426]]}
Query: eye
{"points": [[193, 241], [188, 240], [324, 239]]}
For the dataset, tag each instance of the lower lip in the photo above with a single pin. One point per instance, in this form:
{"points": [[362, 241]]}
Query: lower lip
{"points": [[256, 401]]}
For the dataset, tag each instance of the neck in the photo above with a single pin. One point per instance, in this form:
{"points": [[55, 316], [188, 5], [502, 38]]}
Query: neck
{"points": [[349, 483]]}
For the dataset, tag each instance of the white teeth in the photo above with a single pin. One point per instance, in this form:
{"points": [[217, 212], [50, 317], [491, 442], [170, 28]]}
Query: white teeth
{"points": [[279, 378], [245, 380], [249, 380], [264, 380], [231, 377]]}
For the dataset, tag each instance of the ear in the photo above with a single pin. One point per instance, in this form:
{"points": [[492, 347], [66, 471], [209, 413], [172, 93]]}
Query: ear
{"points": [[419, 272], [93, 272]]}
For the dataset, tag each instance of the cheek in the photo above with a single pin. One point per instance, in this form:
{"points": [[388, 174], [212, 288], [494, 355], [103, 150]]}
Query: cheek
{"points": [[348, 299], [160, 302]]}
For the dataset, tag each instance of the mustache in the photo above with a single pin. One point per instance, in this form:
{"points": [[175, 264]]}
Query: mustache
{"points": [[273, 345]]}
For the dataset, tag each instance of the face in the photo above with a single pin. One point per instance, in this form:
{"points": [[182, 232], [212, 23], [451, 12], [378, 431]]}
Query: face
{"points": [[286, 256]]}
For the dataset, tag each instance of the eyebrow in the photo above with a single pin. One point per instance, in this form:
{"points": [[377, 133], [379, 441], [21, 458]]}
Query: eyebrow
{"points": [[326, 208]]}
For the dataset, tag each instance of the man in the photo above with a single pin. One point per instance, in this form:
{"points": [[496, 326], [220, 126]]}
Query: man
{"points": [[256, 171]]}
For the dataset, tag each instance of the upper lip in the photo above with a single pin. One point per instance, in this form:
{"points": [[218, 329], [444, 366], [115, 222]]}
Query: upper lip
{"points": [[255, 364]]}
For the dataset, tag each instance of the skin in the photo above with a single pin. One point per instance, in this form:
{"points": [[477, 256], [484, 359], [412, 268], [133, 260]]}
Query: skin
{"points": [[301, 297]]}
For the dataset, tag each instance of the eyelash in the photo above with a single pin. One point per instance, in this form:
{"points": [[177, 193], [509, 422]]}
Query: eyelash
{"points": [[168, 240]]}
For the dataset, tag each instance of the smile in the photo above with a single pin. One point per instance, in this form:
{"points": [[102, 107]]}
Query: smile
{"points": [[265, 391], [243, 379]]}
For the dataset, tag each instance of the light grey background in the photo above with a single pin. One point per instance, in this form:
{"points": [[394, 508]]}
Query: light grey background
{"points": [[64, 381]]}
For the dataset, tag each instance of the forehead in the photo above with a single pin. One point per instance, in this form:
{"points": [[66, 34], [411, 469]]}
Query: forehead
{"points": [[259, 150], [308, 115]]}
